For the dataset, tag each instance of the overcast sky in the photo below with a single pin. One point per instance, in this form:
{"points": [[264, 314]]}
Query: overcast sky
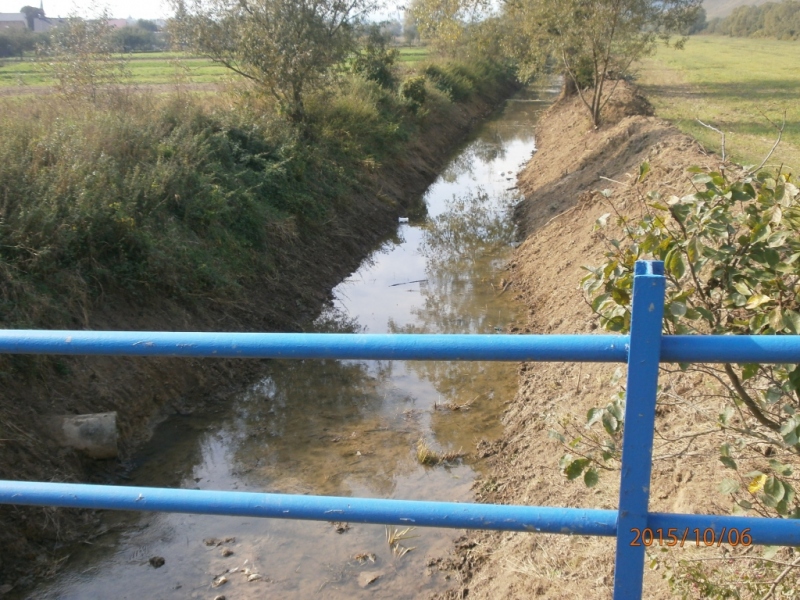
{"points": [[119, 9]]}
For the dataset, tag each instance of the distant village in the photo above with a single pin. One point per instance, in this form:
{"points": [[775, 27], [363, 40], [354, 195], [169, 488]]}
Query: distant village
{"points": [[23, 32], [34, 19]]}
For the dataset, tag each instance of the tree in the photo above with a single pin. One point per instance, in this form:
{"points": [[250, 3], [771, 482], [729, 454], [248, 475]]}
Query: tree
{"points": [[375, 59], [82, 57], [730, 255], [15, 42], [31, 13], [147, 25], [134, 39], [700, 22], [410, 32], [285, 47], [596, 40]]}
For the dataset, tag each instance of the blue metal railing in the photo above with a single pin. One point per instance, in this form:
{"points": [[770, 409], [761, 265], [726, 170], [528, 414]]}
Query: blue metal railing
{"points": [[643, 349]]}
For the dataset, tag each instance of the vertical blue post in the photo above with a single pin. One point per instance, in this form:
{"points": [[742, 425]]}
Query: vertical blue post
{"points": [[647, 311]]}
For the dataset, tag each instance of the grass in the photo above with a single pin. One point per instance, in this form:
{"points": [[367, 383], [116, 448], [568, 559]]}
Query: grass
{"points": [[148, 69], [413, 54], [155, 68], [735, 84], [394, 536]]}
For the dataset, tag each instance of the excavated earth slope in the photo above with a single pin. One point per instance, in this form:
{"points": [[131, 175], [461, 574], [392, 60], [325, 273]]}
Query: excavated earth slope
{"points": [[566, 184]]}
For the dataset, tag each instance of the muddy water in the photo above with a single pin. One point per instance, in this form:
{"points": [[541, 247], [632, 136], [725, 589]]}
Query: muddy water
{"points": [[343, 427]]}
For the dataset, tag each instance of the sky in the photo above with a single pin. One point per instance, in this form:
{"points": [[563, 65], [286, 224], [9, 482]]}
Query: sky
{"points": [[118, 9]]}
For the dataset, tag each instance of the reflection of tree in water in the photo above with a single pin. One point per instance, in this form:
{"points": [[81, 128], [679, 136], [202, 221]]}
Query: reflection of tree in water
{"points": [[483, 150], [472, 225], [332, 319], [465, 248], [320, 426]]}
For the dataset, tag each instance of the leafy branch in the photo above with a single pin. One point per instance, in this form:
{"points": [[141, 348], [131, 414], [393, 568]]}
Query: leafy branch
{"points": [[731, 252]]}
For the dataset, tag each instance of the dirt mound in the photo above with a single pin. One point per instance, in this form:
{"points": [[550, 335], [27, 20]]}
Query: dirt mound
{"points": [[578, 174]]}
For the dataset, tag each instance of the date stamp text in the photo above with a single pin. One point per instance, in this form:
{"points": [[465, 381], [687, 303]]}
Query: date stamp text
{"points": [[701, 537]]}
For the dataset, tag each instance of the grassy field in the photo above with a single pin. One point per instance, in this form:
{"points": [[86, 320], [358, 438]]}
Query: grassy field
{"points": [[735, 84], [152, 69], [413, 54]]}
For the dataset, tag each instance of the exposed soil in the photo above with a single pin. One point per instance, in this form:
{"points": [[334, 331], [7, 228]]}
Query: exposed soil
{"points": [[145, 391], [562, 184]]}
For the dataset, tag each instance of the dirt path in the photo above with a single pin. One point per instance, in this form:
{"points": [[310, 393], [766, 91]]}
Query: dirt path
{"points": [[566, 184]]}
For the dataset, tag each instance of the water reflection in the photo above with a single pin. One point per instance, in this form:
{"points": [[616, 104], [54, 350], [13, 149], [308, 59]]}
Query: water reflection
{"points": [[325, 431]]}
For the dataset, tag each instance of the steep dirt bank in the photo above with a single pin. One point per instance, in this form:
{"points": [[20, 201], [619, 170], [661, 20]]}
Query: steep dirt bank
{"points": [[562, 185], [143, 391]]}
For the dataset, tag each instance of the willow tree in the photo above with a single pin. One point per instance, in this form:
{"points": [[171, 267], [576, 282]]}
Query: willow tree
{"points": [[284, 47], [596, 40]]}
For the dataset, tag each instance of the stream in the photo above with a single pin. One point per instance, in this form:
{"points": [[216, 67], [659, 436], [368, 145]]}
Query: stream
{"points": [[343, 428]]}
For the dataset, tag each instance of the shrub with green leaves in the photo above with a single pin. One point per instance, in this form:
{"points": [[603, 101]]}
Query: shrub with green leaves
{"points": [[413, 92], [730, 252]]}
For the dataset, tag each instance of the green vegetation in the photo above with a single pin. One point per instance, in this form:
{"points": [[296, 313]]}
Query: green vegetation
{"points": [[148, 68], [183, 198], [778, 20], [740, 86], [158, 68], [285, 48], [17, 42]]}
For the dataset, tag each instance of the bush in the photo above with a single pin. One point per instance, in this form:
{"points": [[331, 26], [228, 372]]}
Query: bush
{"points": [[413, 93], [375, 61], [452, 79], [731, 257]]}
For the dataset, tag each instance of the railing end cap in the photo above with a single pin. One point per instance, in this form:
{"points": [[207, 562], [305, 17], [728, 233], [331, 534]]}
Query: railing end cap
{"points": [[649, 267]]}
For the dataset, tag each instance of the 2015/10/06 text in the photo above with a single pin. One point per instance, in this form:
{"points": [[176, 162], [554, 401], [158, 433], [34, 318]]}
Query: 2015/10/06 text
{"points": [[705, 537]]}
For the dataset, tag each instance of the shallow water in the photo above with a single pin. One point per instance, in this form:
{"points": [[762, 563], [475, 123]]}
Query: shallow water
{"points": [[344, 428]]}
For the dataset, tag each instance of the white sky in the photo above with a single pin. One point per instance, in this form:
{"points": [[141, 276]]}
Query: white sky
{"points": [[122, 9], [119, 9]]}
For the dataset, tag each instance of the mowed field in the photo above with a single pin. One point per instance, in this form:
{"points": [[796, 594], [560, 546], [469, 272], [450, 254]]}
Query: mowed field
{"points": [[735, 84], [156, 68]]}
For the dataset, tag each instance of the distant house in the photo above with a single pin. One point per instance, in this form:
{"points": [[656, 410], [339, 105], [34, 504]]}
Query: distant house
{"points": [[46, 24], [13, 21], [34, 20], [117, 23]]}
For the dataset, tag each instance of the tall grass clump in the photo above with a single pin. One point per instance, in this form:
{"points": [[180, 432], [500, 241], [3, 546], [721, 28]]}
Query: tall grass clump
{"points": [[143, 196]]}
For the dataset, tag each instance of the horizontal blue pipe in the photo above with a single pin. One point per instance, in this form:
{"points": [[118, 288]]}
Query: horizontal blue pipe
{"points": [[730, 348], [567, 348], [770, 532], [595, 348], [779, 532], [314, 508]]}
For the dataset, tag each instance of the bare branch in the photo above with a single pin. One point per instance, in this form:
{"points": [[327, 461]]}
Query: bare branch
{"points": [[722, 133]]}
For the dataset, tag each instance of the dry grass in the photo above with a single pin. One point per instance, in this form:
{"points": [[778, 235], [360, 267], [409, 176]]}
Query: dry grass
{"points": [[430, 457], [394, 536]]}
